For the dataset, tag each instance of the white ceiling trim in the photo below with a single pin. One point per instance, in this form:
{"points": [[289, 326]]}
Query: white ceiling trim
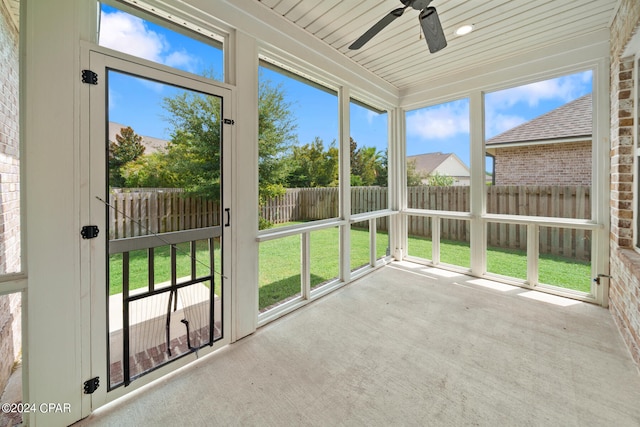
{"points": [[277, 35], [579, 54], [399, 55]]}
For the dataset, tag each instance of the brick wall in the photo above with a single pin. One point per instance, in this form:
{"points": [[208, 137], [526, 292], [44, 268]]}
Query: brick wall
{"points": [[624, 292], [548, 164], [10, 336], [10, 305], [9, 147]]}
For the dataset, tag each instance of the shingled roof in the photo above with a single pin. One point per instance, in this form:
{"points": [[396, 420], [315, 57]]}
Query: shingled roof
{"points": [[429, 162], [571, 120]]}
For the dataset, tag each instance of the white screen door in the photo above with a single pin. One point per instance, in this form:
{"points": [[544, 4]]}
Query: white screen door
{"points": [[158, 195]]}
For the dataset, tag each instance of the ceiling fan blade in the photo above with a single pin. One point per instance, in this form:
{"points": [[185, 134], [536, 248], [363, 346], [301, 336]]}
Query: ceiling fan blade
{"points": [[432, 29], [377, 27]]}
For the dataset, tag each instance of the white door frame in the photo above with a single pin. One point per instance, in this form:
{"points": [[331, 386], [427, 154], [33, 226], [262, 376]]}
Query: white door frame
{"points": [[96, 323]]}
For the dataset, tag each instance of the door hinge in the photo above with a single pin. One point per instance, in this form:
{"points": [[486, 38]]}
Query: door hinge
{"points": [[228, 122], [89, 77], [91, 385], [89, 231]]}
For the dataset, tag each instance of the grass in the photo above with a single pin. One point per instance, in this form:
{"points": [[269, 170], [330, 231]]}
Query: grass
{"points": [[279, 263], [138, 266], [279, 268], [552, 270]]}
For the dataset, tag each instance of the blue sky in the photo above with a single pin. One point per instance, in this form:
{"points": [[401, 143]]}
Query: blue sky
{"points": [[443, 128]]}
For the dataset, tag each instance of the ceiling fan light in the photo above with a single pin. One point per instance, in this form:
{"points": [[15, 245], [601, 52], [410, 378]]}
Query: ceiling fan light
{"points": [[464, 30]]}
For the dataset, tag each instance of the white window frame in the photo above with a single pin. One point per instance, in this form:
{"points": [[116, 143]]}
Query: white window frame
{"points": [[599, 216], [345, 93], [17, 281]]}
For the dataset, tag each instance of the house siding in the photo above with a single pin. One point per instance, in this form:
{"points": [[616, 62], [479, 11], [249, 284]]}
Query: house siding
{"points": [[547, 164], [10, 305], [624, 285]]}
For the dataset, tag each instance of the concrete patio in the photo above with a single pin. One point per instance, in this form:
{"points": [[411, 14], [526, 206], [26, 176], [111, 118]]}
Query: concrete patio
{"points": [[407, 345]]}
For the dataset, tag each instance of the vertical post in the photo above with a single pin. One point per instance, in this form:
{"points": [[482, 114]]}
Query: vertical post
{"points": [[533, 252], [435, 239], [126, 369], [174, 273], [244, 181], [151, 269], [305, 265], [345, 185], [478, 239], [212, 291], [600, 180], [397, 183], [373, 255], [193, 250]]}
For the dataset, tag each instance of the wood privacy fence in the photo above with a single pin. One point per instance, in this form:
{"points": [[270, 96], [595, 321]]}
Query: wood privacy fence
{"points": [[149, 211], [306, 204], [550, 201], [143, 212]]}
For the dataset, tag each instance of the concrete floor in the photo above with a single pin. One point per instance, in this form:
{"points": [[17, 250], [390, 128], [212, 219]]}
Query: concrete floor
{"points": [[407, 345]]}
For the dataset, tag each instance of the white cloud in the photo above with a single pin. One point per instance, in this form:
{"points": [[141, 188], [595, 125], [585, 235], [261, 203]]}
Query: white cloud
{"points": [[129, 34], [498, 123], [439, 122], [564, 89], [371, 116], [502, 107], [182, 60]]}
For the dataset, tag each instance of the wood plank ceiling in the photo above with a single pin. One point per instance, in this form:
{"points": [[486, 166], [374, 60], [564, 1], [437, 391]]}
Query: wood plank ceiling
{"points": [[399, 54]]}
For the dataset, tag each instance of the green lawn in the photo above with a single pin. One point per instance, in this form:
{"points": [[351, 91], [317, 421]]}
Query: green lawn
{"points": [[279, 267], [279, 263], [552, 270], [139, 272]]}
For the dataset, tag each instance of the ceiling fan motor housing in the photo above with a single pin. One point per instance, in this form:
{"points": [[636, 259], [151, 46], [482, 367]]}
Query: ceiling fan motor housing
{"points": [[416, 4]]}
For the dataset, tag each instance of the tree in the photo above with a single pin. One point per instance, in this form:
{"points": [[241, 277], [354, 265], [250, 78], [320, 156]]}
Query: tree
{"points": [[438, 180], [276, 136], [414, 177], [364, 164], [382, 178], [126, 148], [192, 157], [150, 171], [193, 153], [312, 166]]}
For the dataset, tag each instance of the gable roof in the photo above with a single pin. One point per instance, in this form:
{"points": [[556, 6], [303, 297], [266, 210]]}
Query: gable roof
{"points": [[429, 162], [569, 121]]}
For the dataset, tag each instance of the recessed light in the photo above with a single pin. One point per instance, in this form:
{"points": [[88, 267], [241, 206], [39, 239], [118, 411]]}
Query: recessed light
{"points": [[464, 29]]}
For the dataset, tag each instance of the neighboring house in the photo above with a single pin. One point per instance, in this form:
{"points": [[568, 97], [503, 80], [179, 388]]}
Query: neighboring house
{"points": [[552, 149], [151, 144], [443, 164]]}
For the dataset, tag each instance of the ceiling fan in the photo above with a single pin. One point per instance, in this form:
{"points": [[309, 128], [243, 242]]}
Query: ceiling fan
{"points": [[429, 22]]}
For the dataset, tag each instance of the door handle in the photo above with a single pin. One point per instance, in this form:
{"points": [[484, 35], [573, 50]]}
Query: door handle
{"points": [[228, 211]]}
